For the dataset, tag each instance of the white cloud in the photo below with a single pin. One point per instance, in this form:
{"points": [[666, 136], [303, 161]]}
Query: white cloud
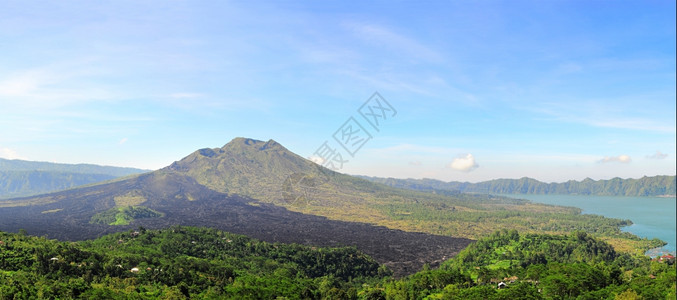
{"points": [[9, 154], [657, 155], [464, 163], [621, 158], [122, 141], [415, 163], [316, 159]]}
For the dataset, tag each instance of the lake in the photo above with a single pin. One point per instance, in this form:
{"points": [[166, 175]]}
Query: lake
{"points": [[652, 217]]}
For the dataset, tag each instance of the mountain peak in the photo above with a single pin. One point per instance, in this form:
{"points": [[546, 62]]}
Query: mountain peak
{"points": [[245, 166], [249, 144], [242, 140]]}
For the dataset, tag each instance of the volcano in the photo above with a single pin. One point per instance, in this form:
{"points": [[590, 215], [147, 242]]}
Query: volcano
{"points": [[251, 187]]}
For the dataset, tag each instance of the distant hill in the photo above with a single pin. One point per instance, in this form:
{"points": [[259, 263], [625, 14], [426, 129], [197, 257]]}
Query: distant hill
{"points": [[19, 178], [645, 186]]}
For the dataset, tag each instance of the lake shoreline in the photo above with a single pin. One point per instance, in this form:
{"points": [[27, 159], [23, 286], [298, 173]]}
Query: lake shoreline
{"points": [[657, 252], [652, 217]]}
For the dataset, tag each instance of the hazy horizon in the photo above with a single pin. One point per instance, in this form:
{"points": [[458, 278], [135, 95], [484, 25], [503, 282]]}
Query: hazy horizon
{"points": [[553, 91], [596, 179]]}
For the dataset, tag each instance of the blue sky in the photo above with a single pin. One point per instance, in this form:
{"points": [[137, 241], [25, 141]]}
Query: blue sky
{"points": [[553, 90]]}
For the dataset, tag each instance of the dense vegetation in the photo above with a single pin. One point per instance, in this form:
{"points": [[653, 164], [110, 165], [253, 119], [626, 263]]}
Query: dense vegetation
{"points": [[19, 178], [176, 263], [532, 266], [181, 262], [645, 186]]}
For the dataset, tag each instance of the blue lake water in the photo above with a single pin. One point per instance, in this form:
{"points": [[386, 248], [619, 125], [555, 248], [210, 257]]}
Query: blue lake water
{"points": [[652, 217]]}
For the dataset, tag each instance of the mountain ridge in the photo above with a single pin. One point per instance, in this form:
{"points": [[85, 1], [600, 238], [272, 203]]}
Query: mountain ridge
{"points": [[26, 165], [21, 178], [660, 185]]}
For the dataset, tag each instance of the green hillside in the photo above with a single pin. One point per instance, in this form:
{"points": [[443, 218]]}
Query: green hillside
{"points": [[175, 263], [24, 165], [20, 178], [26, 183], [645, 186], [537, 266]]}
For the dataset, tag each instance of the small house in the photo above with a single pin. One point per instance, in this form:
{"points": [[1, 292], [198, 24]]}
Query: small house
{"points": [[501, 285], [134, 270]]}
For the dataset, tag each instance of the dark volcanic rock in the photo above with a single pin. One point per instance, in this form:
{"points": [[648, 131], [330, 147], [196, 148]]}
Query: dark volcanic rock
{"points": [[404, 252]]}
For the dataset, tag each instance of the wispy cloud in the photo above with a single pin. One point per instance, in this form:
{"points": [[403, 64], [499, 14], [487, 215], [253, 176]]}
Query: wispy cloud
{"points": [[601, 114], [49, 87], [185, 95], [395, 42], [411, 149], [657, 155], [122, 141], [621, 159], [464, 163], [21, 84], [393, 59], [632, 123]]}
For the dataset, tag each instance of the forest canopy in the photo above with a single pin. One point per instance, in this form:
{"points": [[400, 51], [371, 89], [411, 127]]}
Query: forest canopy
{"points": [[201, 263]]}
